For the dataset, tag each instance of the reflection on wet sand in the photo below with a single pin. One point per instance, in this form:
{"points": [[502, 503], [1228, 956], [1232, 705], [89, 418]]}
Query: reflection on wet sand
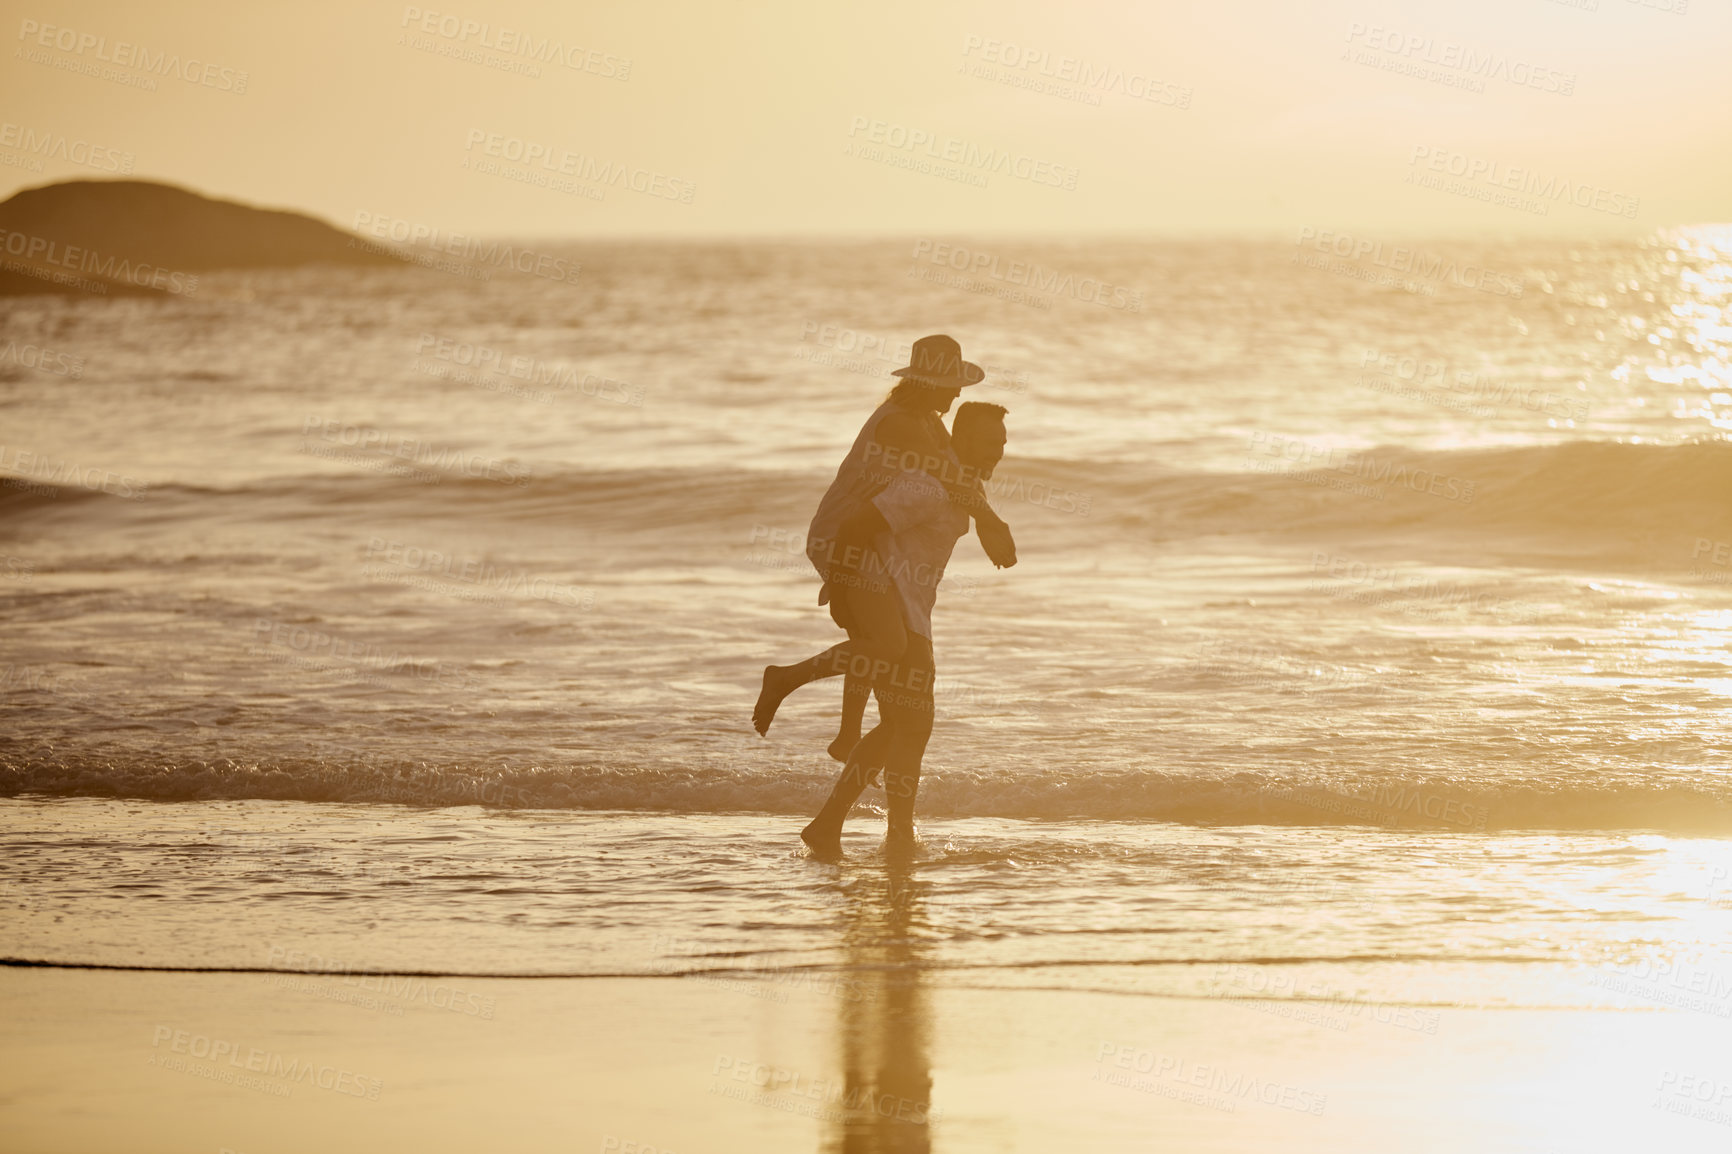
{"points": [[885, 1028]]}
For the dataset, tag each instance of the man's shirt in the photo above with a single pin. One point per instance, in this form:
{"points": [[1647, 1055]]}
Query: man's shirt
{"points": [[924, 529]]}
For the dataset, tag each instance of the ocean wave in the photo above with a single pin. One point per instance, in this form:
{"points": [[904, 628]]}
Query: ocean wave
{"points": [[1634, 507], [1300, 798], [1586, 487], [1574, 485]]}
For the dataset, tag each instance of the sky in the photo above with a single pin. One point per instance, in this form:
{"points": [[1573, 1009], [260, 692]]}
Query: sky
{"points": [[1480, 117]]}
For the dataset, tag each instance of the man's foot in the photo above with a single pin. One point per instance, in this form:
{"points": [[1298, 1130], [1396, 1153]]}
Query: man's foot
{"points": [[825, 841], [844, 745], [900, 843], [778, 683]]}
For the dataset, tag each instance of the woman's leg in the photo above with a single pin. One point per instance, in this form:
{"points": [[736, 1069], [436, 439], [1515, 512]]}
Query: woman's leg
{"points": [[876, 638], [855, 690]]}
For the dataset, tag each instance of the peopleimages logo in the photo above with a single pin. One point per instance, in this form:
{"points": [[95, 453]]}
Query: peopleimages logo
{"points": [[1029, 274], [43, 360], [1718, 554], [1183, 1071], [516, 42], [51, 256], [973, 158], [1292, 455], [39, 472], [46, 145], [1408, 260], [1499, 177], [798, 1092], [492, 253], [484, 360], [268, 1063], [1284, 989], [472, 571], [128, 55], [1415, 48], [438, 995], [588, 169], [397, 448], [1401, 587], [1088, 78], [1474, 386]]}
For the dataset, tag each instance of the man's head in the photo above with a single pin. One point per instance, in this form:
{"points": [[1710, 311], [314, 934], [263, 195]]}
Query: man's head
{"points": [[978, 436]]}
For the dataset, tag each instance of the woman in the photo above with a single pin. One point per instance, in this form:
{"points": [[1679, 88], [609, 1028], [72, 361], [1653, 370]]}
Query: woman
{"points": [[904, 431]]}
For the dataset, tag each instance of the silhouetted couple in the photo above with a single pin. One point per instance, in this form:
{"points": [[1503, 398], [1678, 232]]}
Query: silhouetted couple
{"points": [[881, 540]]}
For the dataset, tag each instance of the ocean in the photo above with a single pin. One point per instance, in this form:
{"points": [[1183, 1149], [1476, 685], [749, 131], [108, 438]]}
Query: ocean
{"points": [[1367, 648]]}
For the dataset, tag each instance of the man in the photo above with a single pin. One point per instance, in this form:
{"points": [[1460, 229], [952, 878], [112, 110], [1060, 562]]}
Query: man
{"points": [[914, 527]]}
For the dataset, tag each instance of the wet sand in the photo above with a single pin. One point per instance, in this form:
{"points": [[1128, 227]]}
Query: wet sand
{"points": [[104, 1060]]}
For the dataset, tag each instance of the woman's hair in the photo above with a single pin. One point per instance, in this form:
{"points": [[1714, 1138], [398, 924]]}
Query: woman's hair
{"points": [[908, 393]]}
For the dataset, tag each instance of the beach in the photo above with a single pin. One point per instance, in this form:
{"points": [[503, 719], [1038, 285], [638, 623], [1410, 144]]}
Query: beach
{"points": [[1337, 769], [1263, 468], [675, 1065], [536, 980]]}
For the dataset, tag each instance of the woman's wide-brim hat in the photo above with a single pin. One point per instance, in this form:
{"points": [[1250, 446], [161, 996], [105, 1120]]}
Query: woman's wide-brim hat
{"points": [[937, 361]]}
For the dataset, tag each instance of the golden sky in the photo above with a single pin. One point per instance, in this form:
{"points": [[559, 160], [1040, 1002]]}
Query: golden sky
{"points": [[1497, 117]]}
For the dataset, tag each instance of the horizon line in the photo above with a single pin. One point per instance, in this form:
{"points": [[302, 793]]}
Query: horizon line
{"points": [[1194, 233]]}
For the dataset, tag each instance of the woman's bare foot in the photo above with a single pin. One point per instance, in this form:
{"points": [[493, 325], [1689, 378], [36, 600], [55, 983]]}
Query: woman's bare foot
{"points": [[825, 841], [779, 681], [844, 745]]}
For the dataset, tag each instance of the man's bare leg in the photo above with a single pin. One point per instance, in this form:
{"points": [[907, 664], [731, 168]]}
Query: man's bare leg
{"points": [[911, 718], [898, 744], [901, 783], [824, 833]]}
